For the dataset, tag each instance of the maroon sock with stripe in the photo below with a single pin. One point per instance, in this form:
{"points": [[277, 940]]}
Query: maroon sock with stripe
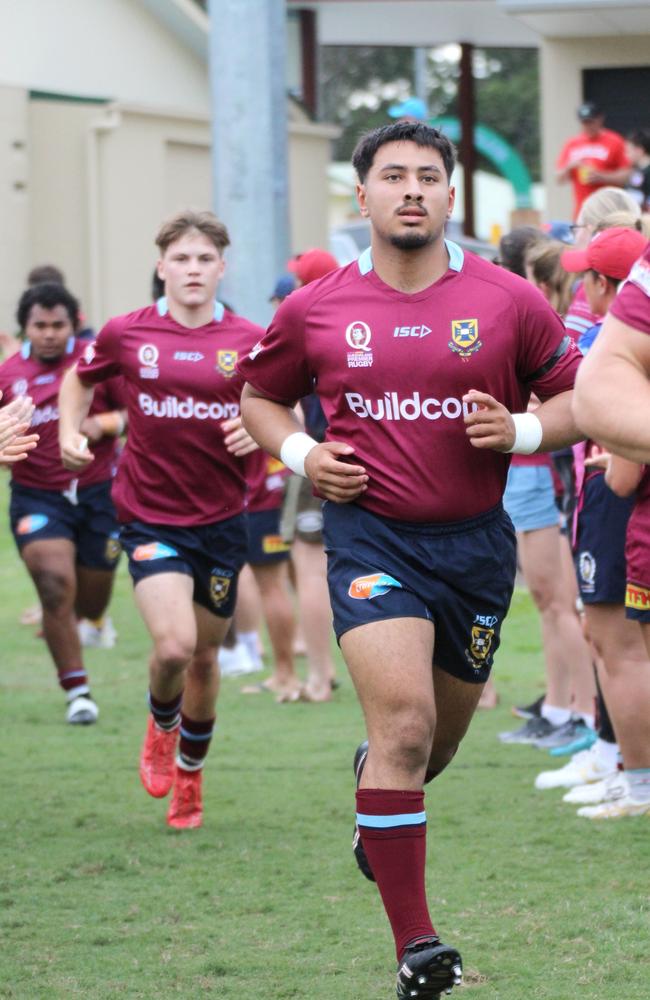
{"points": [[194, 742], [74, 682], [392, 825]]}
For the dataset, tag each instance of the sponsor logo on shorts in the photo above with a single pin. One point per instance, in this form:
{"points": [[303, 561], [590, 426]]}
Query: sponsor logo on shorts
{"points": [[358, 336], [587, 570], [412, 331], [153, 550], [396, 407], [113, 549], [273, 544], [364, 588], [173, 408], [637, 597], [31, 523], [220, 582], [188, 356], [19, 387], [464, 337], [148, 355], [227, 362]]}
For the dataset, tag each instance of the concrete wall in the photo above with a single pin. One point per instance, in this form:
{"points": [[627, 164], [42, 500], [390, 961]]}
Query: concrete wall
{"points": [[14, 200], [561, 65]]}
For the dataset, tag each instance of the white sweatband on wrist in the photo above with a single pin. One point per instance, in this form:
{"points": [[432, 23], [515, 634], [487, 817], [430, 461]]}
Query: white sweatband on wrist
{"points": [[528, 434], [294, 451]]}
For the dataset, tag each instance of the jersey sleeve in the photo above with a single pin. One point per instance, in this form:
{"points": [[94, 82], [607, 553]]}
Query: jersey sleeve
{"points": [[278, 366], [632, 304], [548, 356], [110, 395], [101, 358]]}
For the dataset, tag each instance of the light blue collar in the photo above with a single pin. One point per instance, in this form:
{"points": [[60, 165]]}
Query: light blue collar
{"points": [[219, 308], [456, 258]]}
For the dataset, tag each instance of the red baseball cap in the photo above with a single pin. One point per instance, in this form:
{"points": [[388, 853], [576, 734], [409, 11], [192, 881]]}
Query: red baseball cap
{"points": [[611, 253], [311, 265]]}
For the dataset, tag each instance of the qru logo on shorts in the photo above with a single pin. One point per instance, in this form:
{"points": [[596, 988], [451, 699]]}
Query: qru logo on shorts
{"points": [[587, 569], [364, 588]]}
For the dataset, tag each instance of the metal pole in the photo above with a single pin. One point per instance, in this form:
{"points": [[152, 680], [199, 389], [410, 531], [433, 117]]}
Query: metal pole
{"points": [[467, 122], [249, 146], [420, 88]]}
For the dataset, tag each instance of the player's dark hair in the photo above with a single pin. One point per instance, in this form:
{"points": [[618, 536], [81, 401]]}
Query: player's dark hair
{"points": [[417, 132], [184, 222], [640, 137], [43, 273], [157, 286], [47, 295], [513, 247]]}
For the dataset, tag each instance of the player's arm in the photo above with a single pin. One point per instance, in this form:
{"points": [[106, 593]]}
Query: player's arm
{"points": [[75, 399], [110, 423], [612, 393], [551, 427], [277, 429]]}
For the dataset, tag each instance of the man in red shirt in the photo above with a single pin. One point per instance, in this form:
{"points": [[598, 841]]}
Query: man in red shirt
{"points": [[64, 526], [419, 353], [179, 491], [594, 158]]}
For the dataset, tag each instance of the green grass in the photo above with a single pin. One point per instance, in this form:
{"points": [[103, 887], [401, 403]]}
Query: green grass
{"points": [[98, 899]]}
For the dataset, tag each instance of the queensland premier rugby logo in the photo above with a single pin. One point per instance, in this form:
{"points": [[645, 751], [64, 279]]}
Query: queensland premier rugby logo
{"points": [[464, 337], [19, 387], [226, 363], [358, 336], [148, 355]]}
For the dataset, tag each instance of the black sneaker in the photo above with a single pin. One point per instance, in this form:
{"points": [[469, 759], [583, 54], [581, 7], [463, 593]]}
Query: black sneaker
{"points": [[530, 732], [532, 711], [428, 968], [357, 846]]}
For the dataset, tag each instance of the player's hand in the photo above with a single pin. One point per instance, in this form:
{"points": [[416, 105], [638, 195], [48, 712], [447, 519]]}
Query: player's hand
{"points": [[92, 429], [335, 479], [19, 449], [598, 459], [15, 418], [237, 439], [491, 426], [74, 452]]}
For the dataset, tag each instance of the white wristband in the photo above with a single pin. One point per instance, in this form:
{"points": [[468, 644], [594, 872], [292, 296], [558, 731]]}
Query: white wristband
{"points": [[294, 451], [528, 434]]}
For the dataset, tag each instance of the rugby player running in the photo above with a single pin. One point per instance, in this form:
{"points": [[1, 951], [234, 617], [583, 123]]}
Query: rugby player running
{"points": [[424, 359], [179, 491]]}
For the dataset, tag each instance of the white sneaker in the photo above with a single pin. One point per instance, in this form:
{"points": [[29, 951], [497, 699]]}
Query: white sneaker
{"points": [[93, 637], [236, 661], [82, 711], [618, 804], [597, 791], [583, 768]]}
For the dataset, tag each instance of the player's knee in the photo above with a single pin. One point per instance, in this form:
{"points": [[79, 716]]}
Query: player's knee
{"points": [[173, 653], [55, 590], [412, 737]]}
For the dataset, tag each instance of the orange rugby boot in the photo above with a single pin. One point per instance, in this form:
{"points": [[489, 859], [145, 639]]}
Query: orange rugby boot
{"points": [[186, 807], [157, 759]]}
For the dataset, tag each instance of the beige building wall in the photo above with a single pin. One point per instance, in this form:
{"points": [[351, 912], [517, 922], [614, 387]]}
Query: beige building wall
{"points": [[561, 65], [14, 201], [309, 158]]}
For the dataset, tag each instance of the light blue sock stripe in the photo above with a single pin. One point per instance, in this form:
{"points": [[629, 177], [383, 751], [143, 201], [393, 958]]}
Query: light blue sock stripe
{"points": [[73, 673], [196, 737], [386, 822]]}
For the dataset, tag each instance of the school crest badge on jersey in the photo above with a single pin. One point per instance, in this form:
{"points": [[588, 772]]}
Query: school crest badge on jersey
{"points": [[464, 337], [227, 363]]}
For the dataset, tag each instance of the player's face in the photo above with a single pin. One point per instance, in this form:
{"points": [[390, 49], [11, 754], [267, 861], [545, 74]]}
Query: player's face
{"points": [[407, 195], [592, 126], [191, 268], [48, 331]]}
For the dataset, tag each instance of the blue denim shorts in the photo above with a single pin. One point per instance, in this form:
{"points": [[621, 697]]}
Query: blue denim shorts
{"points": [[530, 498]]}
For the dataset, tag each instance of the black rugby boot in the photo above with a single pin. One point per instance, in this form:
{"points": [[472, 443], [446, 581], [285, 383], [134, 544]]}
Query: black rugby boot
{"points": [[428, 969]]}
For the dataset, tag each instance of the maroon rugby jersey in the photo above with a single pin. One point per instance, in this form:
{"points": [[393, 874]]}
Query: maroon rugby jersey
{"points": [[632, 304], [391, 370], [265, 478], [181, 384], [22, 375]]}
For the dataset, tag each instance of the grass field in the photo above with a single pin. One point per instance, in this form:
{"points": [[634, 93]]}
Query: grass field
{"points": [[98, 899]]}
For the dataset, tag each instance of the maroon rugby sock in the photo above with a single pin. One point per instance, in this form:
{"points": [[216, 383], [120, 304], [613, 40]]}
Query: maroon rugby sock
{"points": [[194, 742], [392, 825]]}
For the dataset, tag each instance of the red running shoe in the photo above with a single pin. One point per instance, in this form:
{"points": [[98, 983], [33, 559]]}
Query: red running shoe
{"points": [[157, 759], [186, 807]]}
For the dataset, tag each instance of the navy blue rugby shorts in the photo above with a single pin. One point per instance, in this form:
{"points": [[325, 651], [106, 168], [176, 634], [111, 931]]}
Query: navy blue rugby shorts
{"points": [[459, 575], [265, 544], [212, 554], [86, 518], [599, 549]]}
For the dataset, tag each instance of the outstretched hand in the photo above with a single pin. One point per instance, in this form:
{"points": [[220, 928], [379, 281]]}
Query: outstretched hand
{"points": [[491, 425], [335, 479], [237, 439]]}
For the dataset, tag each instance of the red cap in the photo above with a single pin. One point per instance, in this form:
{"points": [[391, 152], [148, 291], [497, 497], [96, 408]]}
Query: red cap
{"points": [[311, 265], [611, 253]]}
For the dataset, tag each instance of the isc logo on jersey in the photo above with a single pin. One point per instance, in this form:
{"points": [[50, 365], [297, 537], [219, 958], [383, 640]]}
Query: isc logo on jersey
{"points": [[148, 355], [395, 407], [173, 408]]}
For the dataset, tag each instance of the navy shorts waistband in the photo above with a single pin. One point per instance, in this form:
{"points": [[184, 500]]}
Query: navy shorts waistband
{"points": [[436, 528]]}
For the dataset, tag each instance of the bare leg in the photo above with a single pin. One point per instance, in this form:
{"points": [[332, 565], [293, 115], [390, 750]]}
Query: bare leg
{"points": [[315, 615], [51, 565], [581, 669], [272, 580], [94, 588], [202, 680], [165, 603]]}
